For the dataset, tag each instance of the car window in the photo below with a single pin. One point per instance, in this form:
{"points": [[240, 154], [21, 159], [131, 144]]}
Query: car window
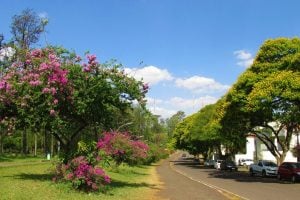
{"points": [[295, 165], [270, 164]]}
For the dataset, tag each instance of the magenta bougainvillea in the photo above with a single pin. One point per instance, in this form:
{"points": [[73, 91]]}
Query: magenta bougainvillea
{"points": [[82, 174], [122, 147]]}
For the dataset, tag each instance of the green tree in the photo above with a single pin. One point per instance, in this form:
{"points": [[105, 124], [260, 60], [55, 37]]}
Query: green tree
{"points": [[265, 99], [65, 98], [173, 121], [27, 27], [196, 133]]}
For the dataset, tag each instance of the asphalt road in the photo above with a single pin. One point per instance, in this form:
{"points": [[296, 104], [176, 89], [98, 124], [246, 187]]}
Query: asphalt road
{"points": [[186, 179], [178, 187]]}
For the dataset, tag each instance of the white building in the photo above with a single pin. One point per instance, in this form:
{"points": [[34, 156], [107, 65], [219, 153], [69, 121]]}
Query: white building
{"points": [[257, 150]]}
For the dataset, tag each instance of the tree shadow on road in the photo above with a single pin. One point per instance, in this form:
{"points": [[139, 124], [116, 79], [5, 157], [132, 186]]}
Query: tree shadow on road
{"points": [[239, 176]]}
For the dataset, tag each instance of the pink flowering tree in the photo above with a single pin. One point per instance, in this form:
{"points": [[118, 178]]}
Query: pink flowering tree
{"points": [[123, 147], [49, 90]]}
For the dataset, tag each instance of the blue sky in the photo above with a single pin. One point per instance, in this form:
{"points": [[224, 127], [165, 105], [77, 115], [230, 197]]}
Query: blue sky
{"points": [[190, 51]]}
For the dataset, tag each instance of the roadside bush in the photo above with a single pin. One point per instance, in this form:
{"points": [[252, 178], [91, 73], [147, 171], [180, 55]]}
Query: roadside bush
{"points": [[156, 153], [83, 175], [123, 148]]}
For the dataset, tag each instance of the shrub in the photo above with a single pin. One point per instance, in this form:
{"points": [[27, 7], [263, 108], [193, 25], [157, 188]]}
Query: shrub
{"points": [[156, 153], [123, 148], [82, 174]]}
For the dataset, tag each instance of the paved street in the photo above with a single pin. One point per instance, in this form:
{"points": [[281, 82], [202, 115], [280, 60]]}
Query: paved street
{"points": [[179, 187], [183, 177]]}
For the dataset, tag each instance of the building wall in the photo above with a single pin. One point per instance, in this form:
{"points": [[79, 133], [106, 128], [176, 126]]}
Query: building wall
{"points": [[262, 153]]}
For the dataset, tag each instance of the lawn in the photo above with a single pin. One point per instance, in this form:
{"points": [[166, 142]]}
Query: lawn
{"points": [[31, 179]]}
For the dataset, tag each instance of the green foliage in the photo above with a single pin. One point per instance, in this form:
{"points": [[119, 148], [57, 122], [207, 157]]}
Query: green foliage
{"points": [[156, 153], [56, 92], [197, 133], [173, 121], [266, 96]]}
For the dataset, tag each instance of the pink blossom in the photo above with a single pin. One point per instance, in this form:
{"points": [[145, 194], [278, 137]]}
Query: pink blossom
{"points": [[52, 57], [35, 83], [99, 171], [43, 66], [46, 90], [28, 61], [107, 179], [53, 91], [52, 112], [87, 69], [4, 85], [78, 58], [145, 87], [56, 64], [37, 53], [55, 101], [91, 58], [70, 176]]}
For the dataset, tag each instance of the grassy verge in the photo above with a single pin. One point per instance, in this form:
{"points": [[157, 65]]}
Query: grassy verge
{"points": [[25, 180]]}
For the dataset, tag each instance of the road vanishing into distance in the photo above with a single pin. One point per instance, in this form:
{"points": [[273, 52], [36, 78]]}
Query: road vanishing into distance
{"points": [[184, 178]]}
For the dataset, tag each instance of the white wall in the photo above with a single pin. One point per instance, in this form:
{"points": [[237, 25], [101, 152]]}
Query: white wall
{"points": [[265, 154]]}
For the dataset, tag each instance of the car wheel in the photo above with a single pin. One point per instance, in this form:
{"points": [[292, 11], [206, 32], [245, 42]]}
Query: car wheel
{"points": [[293, 179], [278, 176], [251, 172], [263, 173]]}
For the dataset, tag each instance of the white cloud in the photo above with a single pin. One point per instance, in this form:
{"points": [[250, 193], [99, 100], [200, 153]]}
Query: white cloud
{"points": [[162, 112], [167, 108], [153, 101], [245, 59], [201, 84], [149, 74], [194, 103]]}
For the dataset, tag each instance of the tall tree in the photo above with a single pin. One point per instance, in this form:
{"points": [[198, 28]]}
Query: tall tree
{"points": [[27, 27], [173, 121], [265, 100], [196, 133], [66, 98]]}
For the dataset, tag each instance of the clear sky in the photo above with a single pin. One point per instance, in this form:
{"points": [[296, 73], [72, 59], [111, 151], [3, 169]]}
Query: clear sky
{"points": [[189, 51]]}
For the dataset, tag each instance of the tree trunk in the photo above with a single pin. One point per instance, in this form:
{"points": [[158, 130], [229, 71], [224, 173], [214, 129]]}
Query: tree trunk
{"points": [[35, 144], [52, 145], [46, 143], [281, 158], [1, 142], [24, 142]]}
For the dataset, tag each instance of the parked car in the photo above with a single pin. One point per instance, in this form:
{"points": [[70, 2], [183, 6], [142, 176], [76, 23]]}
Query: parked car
{"points": [[228, 165], [289, 170], [263, 168], [245, 162], [209, 163], [218, 164]]}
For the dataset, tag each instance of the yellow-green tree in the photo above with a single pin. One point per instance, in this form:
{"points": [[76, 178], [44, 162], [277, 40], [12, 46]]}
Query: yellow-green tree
{"points": [[265, 99]]}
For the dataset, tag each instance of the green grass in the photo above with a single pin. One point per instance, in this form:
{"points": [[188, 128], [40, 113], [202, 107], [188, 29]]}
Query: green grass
{"points": [[31, 179]]}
